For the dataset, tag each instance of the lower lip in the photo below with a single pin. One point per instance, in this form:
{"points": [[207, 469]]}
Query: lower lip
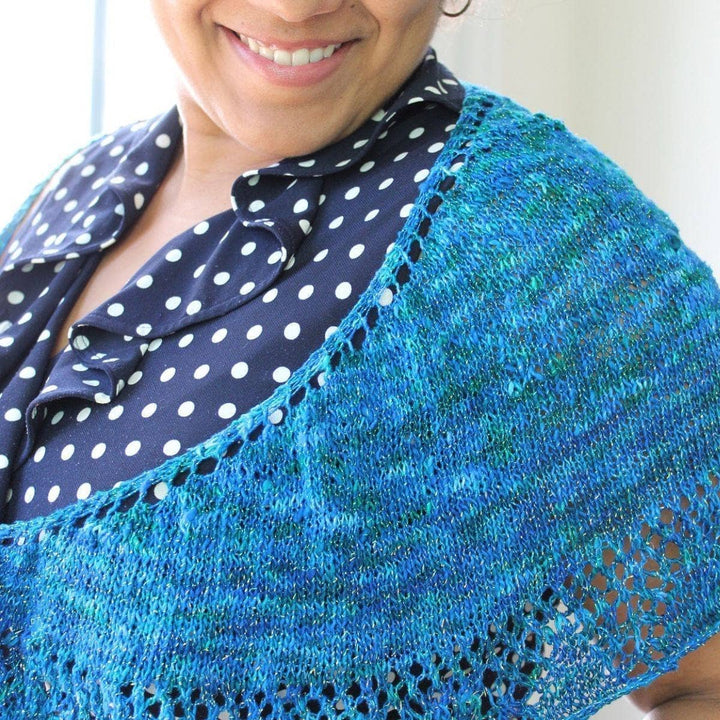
{"points": [[289, 75]]}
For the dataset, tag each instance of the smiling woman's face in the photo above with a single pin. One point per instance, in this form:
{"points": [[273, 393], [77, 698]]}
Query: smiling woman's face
{"points": [[287, 77]]}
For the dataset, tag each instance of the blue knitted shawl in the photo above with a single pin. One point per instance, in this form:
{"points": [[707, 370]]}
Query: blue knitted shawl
{"points": [[495, 492]]}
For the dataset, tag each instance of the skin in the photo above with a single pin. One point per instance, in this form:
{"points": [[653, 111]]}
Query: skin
{"points": [[236, 119]]}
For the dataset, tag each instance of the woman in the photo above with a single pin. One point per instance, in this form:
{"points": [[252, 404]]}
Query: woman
{"points": [[344, 387]]}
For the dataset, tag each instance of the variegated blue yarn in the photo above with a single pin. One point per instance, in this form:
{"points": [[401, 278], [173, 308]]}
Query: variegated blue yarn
{"points": [[495, 495]]}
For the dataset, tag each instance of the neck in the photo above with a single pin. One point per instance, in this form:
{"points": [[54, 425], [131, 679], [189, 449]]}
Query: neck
{"points": [[210, 161]]}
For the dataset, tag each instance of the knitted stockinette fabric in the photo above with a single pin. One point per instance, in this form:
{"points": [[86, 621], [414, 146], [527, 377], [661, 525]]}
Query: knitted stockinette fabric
{"points": [[494, 492]]}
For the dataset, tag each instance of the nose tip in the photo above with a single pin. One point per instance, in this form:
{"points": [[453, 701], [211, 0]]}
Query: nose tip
{"points": [[295, 11]]}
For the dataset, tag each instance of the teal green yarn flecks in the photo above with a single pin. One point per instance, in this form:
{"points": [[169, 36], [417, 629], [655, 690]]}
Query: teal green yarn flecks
{"points": [[494, 493]]}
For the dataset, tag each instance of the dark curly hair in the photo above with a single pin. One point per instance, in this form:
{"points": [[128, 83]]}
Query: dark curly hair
{"points": [[456, 13]]}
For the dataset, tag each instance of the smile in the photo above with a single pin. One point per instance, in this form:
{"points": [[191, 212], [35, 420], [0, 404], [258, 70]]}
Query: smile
{"points": [[296, 58]]}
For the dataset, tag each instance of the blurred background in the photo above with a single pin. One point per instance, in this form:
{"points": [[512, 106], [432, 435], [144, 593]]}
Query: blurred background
{"points": [[639, 79]]}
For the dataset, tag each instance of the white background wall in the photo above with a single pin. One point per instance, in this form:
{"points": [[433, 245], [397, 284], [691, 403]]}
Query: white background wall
{"points": [[640, 79]]}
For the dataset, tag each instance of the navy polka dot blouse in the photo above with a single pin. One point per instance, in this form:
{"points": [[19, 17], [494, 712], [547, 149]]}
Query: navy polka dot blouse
{"points": [[215, 320]]}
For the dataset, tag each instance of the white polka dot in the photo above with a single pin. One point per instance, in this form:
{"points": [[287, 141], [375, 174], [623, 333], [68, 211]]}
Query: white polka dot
{"points": [[201, 372], [154, 345], [15, 297], [173, 255], [254, 332], [83, 239], [39, 454], [248, 248], [301, 206], [386, 297], [356, 251], [167, 374], [142, 168], [281, 374], [305, 292], [25, 318], [171, 447], [143, 329], [115, 412], [400, 157], [194, 307], [13, 415], [138, 201], [305, 226], [116, 310], [343, 291], [221, 278], [163, 141], [29, 494], [256, 206], [239, 370], [385, 184], [319, 257], [173, 303], [352, 193], [436, 147], [144, 282], [160, 490], [57, 417], [336, 223], [186, 409], [366, 167], [133, 448], [6, 341], [53, 493], [227, 411], [135, 377], [270, 295], [276, 416], [83, 492], [416, 133], [292, 330], [185, 340], [406, 210], [247, 287], [149, 410], [67, 452], [87, 171], [219, 335], [201, 228], [101, 398], [199, 271], [84, 414], [98, 451], [27, 373], [330, 331], [420, 176], [276, 256]]}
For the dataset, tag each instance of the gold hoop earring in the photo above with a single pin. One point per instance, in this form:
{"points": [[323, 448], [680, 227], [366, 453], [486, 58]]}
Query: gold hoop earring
{"points": [[459, 12]]}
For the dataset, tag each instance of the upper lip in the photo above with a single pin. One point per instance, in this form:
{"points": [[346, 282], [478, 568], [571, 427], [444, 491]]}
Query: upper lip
{"points": [[276, 44]]}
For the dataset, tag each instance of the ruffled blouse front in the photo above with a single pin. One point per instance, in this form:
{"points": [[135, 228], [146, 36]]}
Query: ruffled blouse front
{"points": [[215, 320]]}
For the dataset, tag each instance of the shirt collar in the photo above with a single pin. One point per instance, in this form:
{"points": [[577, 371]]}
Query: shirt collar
{"points": [[115, 199]]}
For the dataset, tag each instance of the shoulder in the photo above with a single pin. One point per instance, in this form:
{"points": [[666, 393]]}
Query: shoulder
{"points": [[77, 179], [527, 170]]}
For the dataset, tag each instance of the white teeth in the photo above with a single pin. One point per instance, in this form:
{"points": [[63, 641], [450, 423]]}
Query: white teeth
{"points": [[296, 58], [316, 55], [283, 57], [301, 57]]}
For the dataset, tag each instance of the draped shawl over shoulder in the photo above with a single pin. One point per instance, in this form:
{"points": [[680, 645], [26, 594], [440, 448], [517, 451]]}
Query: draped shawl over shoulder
{"points": [[494, 494]]}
